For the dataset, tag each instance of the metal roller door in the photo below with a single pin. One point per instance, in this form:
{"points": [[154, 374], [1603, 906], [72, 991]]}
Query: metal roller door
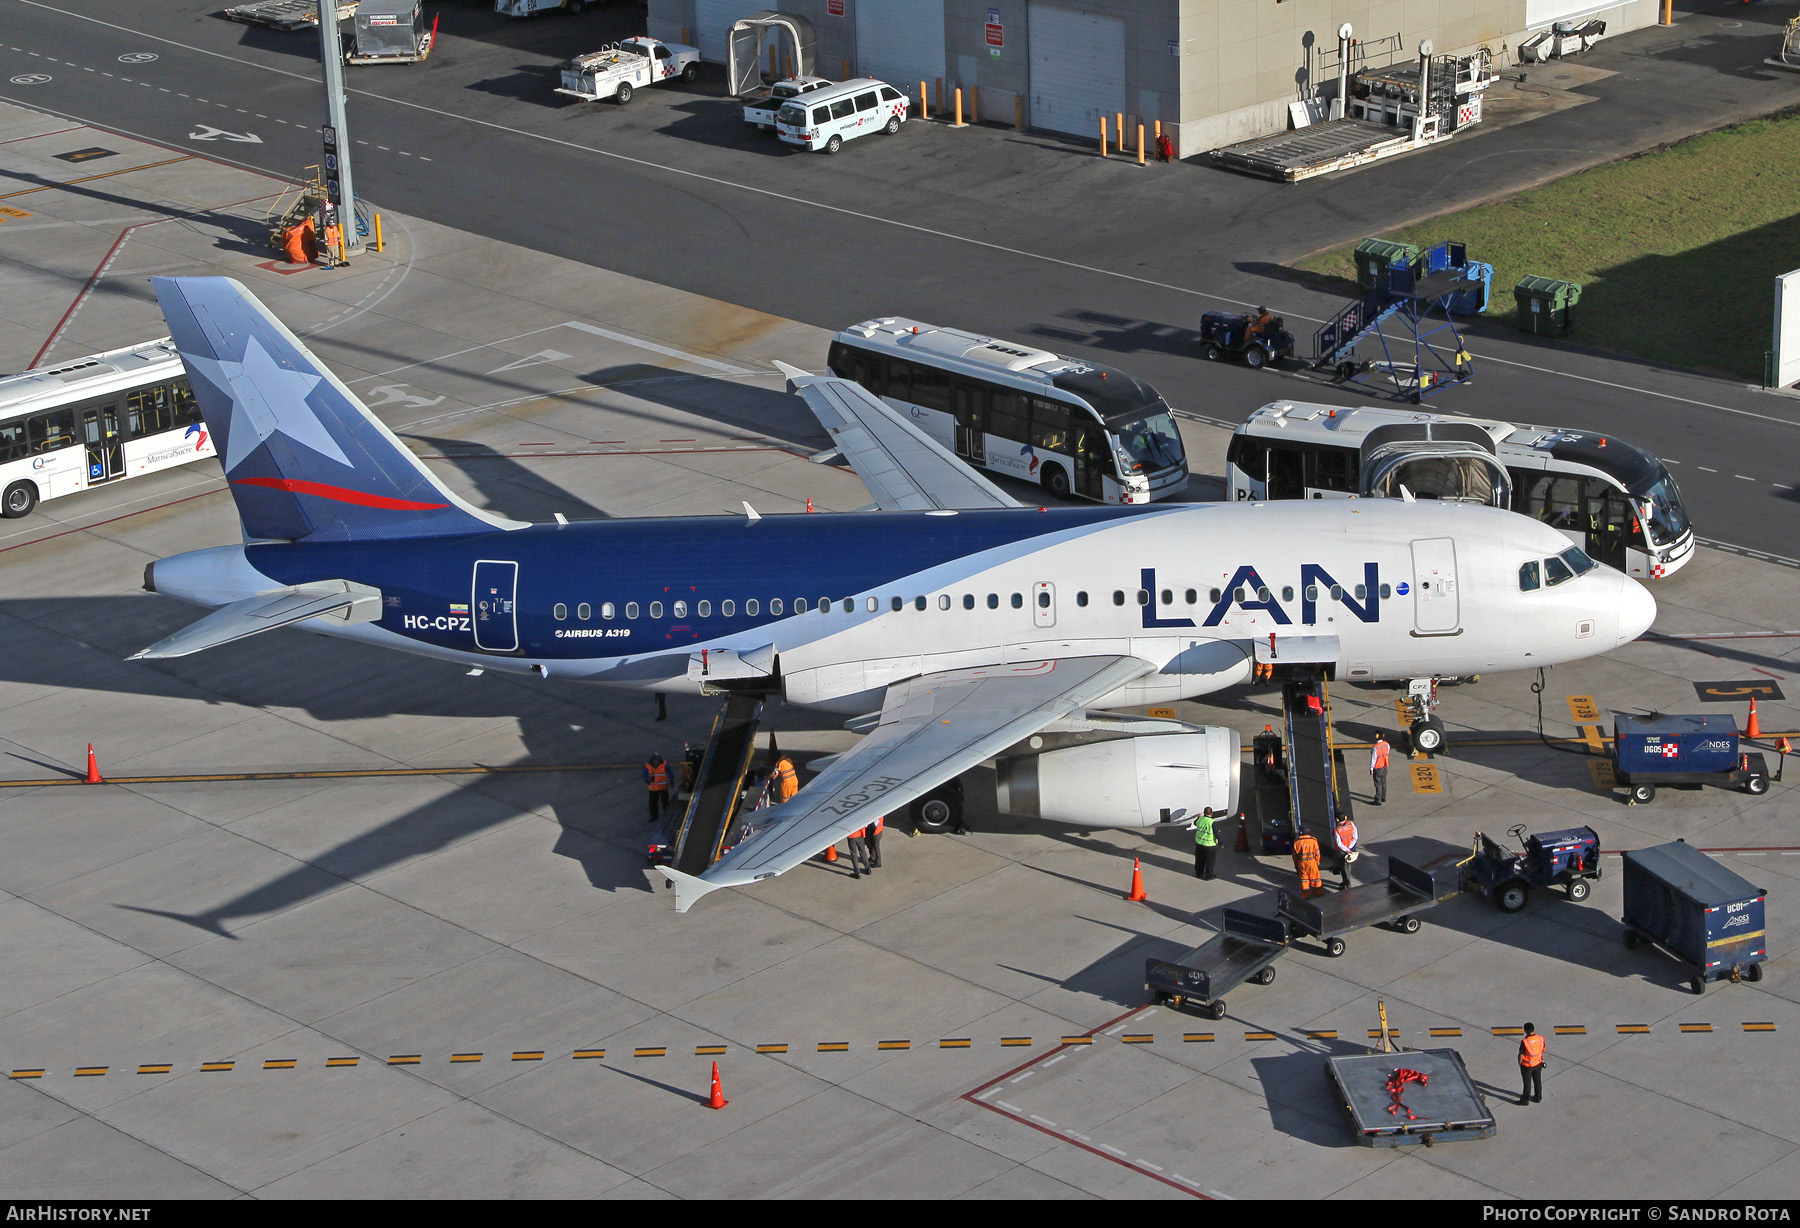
{"points": [[1077, 69], [901, 42], [713, 21]]}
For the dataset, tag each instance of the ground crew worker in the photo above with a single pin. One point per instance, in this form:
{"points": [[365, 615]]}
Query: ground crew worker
{"points": [[1378, 761], [656, 780], [1306, 862], [1531, 1066], [1260, 321], [1343, 844], [873, 840], [1206, 845], [783, 783], [859, 852]]}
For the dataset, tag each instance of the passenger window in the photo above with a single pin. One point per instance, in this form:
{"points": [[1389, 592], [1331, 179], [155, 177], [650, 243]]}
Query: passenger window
{"points": [[607, 611], [968, 601], [1192, 596], [944, 601], [993, 601], [1168, 598], [53, 430], [1528, 577], [820, 115], [1287, 592], [873, 605], [728, 608], [896, 603], [1262, 594], [1118, 596], [1049, 425], [898, 381], [1556, 571], [656, 609], [559, 611], [631, 609], [1362, 592], [584, 611], [1237, 595], [866, 102], [799, 605], [662, 53], [774, 605], [1018, 601], [187, 409], [825, 606], [1081, 598], [918, 603], [1386, 591], [1312, 592], [681, 609], [1213, 595], [752, 608], [1043, 601], [1337, 592], [843, 108], [1143, 596], [705, 609]]}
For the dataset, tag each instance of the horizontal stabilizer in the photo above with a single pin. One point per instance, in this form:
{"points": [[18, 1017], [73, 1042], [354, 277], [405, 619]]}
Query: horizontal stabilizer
{"points": [[349, 601]]}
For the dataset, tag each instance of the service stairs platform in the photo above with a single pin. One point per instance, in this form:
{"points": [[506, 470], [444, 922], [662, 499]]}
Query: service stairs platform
{"points": [[713, 811]]}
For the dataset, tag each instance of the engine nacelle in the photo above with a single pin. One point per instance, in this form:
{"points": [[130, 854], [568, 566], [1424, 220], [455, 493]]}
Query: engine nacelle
{"points": [[1126, 782]]}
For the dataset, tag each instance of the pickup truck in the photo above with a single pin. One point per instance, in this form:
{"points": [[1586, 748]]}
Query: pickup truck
{"points": [[615, 72], [760, 107]]}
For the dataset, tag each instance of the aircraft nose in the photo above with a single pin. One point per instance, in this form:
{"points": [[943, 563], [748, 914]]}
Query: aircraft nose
{"points": [[1637, 610]]}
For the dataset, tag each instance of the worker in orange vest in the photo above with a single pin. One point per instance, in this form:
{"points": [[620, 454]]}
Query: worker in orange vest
{"points": [[1343, 847], [1378, 761], [656, 781], [1306, 862], [859, 852], [783, 782], [1531, 1066], [873, 840]]}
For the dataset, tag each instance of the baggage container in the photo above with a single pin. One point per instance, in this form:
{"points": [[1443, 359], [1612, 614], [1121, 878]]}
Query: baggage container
{"points": [[1661, 744], [1696, 910]]}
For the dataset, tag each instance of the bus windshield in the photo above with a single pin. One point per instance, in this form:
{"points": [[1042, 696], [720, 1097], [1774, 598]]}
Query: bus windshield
{"points": [[1147, 443], [1668, 519]]}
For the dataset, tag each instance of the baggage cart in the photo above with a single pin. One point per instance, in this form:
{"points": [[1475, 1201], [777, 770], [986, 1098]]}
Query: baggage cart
{"points": [[286, 15], [1395, 902], [1245, 949], [1446, 1107], [1700, 914], [1684, 751]]}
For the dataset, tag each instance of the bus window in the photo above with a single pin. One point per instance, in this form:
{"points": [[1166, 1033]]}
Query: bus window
{"points": [[1049, 425], [1334, 469], [930, 389], [1553, 500], [898, 383], [51, 431], [1287, 473], [13, 442], [187, 409], [150, 411], [1250, 455], [1007, 415]]}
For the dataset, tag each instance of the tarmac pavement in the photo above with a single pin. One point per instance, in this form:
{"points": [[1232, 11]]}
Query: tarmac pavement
{"points": [[453, 974]]}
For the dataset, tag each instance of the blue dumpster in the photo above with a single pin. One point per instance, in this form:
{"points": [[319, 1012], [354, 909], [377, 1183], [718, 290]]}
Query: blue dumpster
{"points": [[1704, 915]]}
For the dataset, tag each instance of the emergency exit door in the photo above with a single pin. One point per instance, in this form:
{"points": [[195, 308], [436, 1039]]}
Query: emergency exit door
{"points": [[1436, 604], [492, 604], [1043, 604]]}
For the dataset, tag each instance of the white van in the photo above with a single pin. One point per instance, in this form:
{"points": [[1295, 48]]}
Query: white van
{"points": [[826, 118]]}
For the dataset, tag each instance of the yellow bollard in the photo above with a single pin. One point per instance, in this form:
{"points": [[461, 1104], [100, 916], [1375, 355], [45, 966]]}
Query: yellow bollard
{"points": [[1119, 131], [1103, 136], [1159, 129], [959, 120], [378, 246], [1668, 12], [1140, 144], [924, 103]]}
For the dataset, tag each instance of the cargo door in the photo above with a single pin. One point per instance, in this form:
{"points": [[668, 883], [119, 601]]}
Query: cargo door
{"points": [[492, 604], [1077, 70], [1436, 605], [901, 42]]}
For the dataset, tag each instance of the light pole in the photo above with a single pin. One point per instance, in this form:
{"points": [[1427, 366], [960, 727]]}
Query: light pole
{"points": [[338, 187]]}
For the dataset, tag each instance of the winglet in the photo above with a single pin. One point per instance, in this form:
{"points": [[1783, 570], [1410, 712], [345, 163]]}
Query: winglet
{"points": [[792, 373], [688, 889]]}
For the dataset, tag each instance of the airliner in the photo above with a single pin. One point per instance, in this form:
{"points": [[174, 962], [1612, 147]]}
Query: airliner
{"points": [[953, 624]]}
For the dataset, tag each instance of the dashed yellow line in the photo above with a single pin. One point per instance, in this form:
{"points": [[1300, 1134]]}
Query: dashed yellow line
{"points": [[1259, 1036], [32, 1073], [1634, 1029], [771, 1048], [1138, 1038], [528, 1055], [1013, 1042], [949, 1042], [195, 778], [708, 1050], [404, 1059], [585, 1054], [474, 1057], [274, 1063], [1759, 1027], [1507, 1031], [1695, 1027], [1078, 1040], [331, 1062], [1438, 1032], [217, 1067], [1321, 1035], [834, 1046], [640, 1051], [90, 1072], [156, 1068], [893, 1044], [1196, 1038], [1575, 1029]]}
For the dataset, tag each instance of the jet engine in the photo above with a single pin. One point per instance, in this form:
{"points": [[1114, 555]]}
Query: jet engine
{"points": [[1126, 782]]}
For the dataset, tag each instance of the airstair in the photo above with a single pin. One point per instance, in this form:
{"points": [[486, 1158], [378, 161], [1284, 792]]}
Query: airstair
{"points": [[1419, 302], [713, 818]]}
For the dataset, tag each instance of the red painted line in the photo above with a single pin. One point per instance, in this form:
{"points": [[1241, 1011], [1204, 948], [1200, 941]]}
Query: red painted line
{"points": [[339, 494], [1058, 1135], [1771, 673], [1721, 635], [1724, 848], [83, 528], [733, 450]]}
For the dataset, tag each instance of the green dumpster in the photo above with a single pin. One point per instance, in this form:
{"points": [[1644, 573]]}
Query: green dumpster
{"points": [[1374, 255], [1545, 305]]}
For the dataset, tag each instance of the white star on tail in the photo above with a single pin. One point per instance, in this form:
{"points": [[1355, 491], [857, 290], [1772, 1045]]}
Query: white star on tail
{"points": [[267, 398]]}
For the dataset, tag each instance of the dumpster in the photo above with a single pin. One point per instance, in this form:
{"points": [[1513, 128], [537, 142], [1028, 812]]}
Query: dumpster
{"points": [[1545, 305], [1373, 256], [1704, 916]]}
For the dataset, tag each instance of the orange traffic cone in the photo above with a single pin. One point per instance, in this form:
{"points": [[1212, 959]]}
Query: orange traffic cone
{"points": [[93, 772], [1753, 729], [1137, 882], [831, 853], [717, 1099]]}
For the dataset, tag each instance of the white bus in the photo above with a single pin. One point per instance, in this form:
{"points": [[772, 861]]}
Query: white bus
{"points": [[1613, 499], [95, 420], [1074, 427]]}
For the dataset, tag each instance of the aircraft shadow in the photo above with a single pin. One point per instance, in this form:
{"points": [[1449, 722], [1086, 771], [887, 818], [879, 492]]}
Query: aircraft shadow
{"points": [[506, 486]]}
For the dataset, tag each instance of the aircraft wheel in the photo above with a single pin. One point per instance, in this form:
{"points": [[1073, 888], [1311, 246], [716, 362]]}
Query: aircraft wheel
{"points": [[940, 810], [1427, 735]]}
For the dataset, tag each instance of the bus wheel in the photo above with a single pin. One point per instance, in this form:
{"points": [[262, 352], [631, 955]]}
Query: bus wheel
{"points": [[1056, 481], [18, 501]]}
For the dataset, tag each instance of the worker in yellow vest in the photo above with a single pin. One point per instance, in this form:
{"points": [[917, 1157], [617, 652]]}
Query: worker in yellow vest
{"points": [[1206, 845]]}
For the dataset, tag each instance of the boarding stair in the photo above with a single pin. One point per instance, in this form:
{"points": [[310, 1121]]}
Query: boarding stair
{"points": [[1422, 299]]}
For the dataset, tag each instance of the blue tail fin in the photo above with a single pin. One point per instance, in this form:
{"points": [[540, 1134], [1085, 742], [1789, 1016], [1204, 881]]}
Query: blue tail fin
{"points": [[304, 457]]}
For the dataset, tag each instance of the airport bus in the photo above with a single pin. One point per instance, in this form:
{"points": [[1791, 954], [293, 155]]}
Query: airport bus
{"points": [[1613, 499], [1076, 428], [95, 420]]}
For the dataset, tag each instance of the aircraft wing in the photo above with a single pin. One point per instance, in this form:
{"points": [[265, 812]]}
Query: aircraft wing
{"points": [[349, 601], [932, 729], [903, 467]]}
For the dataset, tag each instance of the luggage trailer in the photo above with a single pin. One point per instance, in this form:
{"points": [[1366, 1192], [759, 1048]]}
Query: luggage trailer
{"points": [[1245, 949], [1394, 902], [1446, 1107]]}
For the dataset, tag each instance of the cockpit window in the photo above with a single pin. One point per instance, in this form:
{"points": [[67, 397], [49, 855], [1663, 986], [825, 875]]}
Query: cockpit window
{"points": [[1578, 562], [1528, 577], [1556, 571]]}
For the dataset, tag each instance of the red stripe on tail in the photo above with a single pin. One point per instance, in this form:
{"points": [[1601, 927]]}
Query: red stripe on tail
{"points": [[340, 494]]}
